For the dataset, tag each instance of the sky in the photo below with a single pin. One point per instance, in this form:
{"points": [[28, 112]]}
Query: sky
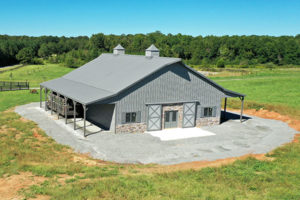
{"points": [[190, 17]]}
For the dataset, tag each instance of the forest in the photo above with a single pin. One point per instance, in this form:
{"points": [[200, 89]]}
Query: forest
{"points": [[241, 51]]}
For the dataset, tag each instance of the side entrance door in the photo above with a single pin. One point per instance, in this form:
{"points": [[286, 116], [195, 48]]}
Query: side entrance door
{"points": [[171, 119], [154, 118], [189, 114]]}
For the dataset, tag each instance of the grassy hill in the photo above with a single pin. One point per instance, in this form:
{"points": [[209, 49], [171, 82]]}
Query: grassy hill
{"points": [[35, 74]]}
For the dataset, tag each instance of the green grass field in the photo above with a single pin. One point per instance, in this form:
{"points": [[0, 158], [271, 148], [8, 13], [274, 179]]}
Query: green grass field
{"points": [[277, 89], [35, 74], [3, 69], [271, 86], [24, 148]]}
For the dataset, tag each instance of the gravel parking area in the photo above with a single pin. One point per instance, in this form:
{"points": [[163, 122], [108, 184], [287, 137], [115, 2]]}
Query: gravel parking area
{"points": [[231, 139]]}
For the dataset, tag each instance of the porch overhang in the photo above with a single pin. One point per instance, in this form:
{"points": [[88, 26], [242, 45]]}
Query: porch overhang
{"points": [[79, 92], [228, 94]]}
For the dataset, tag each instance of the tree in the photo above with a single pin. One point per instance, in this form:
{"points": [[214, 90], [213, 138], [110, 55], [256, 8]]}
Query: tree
{"points": [[70, 61], [44, 51], [195, 50], [97, 41], [25, 55]]}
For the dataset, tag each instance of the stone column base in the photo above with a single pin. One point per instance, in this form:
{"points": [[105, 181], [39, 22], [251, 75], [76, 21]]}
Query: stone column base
{"points": [[131, 128], [208, 121]]}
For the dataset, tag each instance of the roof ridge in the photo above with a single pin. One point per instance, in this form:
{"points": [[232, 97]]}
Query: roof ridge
{"points": [[158, 57]]}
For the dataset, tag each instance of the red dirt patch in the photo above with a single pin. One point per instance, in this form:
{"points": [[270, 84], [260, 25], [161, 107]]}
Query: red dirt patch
{"points": [[86, 160], [293, 123], [24, 120], [41, 197], [36, 134], [9, 186], [296, 138]]}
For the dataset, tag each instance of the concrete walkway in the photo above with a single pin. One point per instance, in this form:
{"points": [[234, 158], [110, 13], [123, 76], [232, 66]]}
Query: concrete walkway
{"points": [[179, 133], [231, 139]]}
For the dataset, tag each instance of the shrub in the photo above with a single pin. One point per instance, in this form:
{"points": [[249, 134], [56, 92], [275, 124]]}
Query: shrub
{"points": [[270, 65], [37, 61], [221, 63]]}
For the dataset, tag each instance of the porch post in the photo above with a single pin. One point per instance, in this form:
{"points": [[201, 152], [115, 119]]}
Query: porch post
{"points": [[225, 106], [74, 114], [57, 105], [84, 120], [242, 108], [51, 101], [66, 109], [45, 99], [41, 90]]}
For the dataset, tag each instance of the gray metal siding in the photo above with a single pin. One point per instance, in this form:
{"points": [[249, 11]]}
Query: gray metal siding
{"points": [[173, 83], [101, 114]]}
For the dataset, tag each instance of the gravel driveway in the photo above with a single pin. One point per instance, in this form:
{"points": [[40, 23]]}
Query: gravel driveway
{"points": [[231, 139]]}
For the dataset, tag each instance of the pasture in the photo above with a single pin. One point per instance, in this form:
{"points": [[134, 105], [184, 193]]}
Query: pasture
{"points": [[278, 86], [35, 74]]}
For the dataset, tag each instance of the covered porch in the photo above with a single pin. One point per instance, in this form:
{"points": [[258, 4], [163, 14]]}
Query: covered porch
{"points": [[63, 106], [77, 103], [232, 94]]}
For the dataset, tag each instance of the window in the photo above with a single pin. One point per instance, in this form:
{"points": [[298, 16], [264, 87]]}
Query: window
{"points": [[174, 116], [208, 112], [130, 117]]}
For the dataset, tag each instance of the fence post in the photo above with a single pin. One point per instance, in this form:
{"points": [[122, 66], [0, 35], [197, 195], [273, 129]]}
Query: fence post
{"points": [[10, 85]]}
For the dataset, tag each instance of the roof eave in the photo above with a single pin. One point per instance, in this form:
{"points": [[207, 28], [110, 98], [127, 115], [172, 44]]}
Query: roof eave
{"points": [[75, 99]]}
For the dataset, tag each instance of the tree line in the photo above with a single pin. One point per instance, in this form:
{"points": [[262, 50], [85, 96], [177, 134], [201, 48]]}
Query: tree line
{"points": [[220, 50]]}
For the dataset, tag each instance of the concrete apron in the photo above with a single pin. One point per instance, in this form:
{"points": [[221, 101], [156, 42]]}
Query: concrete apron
{"points": [[231, 139], [90, 128]]}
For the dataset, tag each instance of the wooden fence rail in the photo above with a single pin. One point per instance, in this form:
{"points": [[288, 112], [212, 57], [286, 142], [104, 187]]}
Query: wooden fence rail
{"points": [[8, 86]]}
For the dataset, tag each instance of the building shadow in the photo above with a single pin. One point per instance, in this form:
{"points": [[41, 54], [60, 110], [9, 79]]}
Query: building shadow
{"points": [[232, 116], [88, 133]]}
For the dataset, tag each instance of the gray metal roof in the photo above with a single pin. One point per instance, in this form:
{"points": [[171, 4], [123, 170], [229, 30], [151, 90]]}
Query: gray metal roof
{"points": [[230, 93], [74, 90], [106, 75]]}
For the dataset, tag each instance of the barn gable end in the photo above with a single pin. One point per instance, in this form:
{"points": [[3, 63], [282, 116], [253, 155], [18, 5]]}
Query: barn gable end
{"points": [[172, 85]]}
